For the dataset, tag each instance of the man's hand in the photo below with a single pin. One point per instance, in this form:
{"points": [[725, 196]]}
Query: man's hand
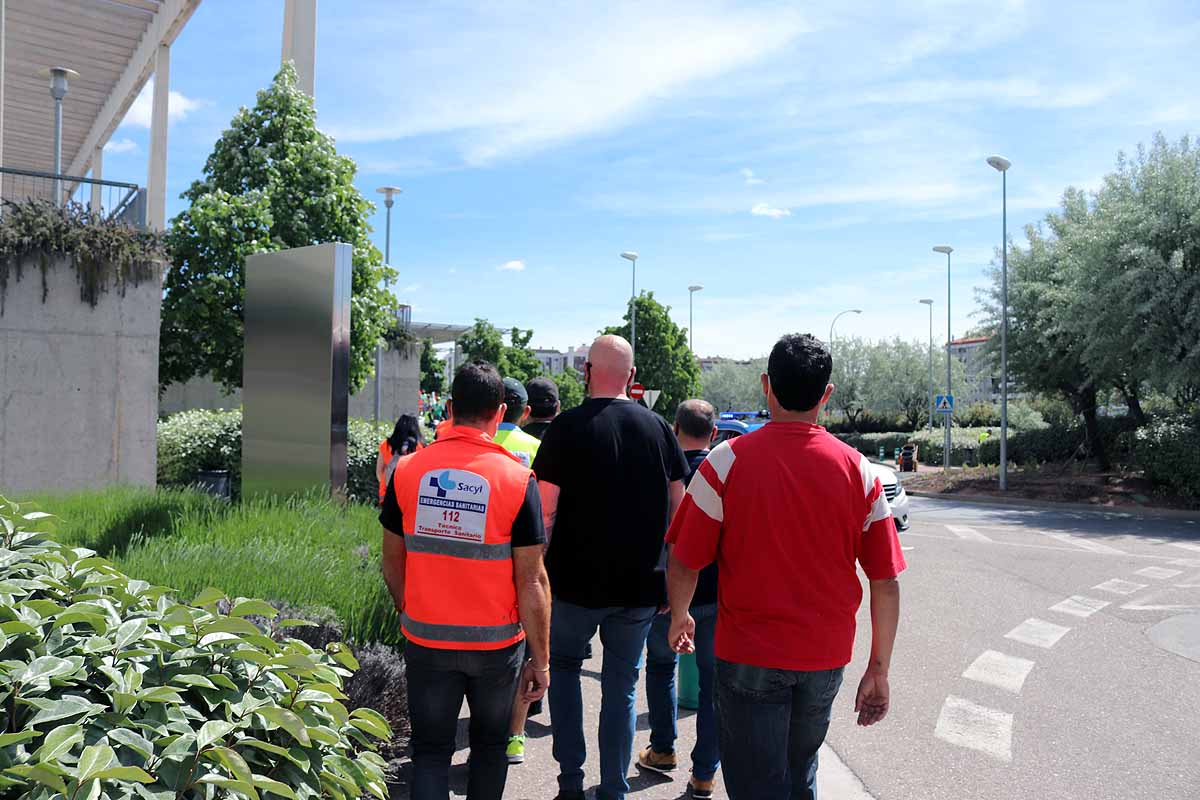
{"points": [[873, 698], [682, 635], [534, 682]]}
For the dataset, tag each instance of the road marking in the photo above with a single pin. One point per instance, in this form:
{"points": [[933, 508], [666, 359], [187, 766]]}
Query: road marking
{"points": [[966, 724], [999, 670], [1179, 562], [970, 534], [1118, 586], [1158, 573], [1083, 544], [1038, 633], [1141, 607], [1078, 605], [1184, 545]]}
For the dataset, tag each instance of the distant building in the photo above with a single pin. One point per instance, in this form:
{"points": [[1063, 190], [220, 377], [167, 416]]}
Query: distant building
{"points": [[577, 357], [708, 363], [553, 361], [983, 372]]}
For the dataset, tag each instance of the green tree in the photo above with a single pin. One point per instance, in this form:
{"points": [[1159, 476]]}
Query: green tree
{"points": [[851, 378], [433, 369], [484, 342], [272, 182], [664, 361], [570, 388], [735, 386]]}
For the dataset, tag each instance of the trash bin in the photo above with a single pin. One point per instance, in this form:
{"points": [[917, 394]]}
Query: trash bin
{"points": [[688, 686], [214, 481]]}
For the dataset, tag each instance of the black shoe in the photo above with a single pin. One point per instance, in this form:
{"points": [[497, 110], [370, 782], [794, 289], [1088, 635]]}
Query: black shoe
{"points": [[565, 795]]}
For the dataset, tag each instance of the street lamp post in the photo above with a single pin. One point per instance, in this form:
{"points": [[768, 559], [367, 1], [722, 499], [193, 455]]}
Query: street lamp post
{"points": [[388, 193], [947, 249], [1002, 164], [835, 319], [691, 325], [929, 302], [59, 77], [632, 257]]}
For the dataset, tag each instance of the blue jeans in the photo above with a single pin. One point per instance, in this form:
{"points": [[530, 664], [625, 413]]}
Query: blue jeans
{"points": [[623, 634], [438, 680], [660, 690], [772, 723]]}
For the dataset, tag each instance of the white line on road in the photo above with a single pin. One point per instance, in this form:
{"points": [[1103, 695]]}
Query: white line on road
{"points": [[1037, 632], [999, 670], [966, 724], [970, 534], [1118, 586], [1158, 573], [1179, 562], [1078, 605], [1082, 544], [1141, 606]]}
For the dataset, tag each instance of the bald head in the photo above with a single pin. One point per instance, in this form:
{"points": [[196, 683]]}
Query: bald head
{"points": [[610, 362]]}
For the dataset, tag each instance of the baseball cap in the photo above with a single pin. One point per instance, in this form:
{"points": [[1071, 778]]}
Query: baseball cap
{"points": [[543, 396], [514, 393]]}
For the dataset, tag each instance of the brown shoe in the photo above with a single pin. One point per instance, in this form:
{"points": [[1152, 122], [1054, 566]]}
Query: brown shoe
{"points": [[657, 762], [700, 789]]}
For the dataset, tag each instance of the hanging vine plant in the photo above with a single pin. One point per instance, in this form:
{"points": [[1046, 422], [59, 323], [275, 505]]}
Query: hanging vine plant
{"points": [[106, 254]]}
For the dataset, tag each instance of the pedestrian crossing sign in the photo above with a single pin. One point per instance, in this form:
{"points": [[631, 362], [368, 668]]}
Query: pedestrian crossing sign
{"points": [[944, 403]]}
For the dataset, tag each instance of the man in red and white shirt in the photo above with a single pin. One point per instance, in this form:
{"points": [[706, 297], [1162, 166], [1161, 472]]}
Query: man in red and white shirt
{"points": [[787, 512]]}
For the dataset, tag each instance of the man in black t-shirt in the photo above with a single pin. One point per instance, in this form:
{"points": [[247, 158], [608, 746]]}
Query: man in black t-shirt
{"points": [[695, 427], [543, 405], [611, 475]]}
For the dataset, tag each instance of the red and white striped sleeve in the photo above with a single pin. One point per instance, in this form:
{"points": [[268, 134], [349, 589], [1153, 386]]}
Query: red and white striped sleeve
{"points": [[696, 529], [879, 553]]}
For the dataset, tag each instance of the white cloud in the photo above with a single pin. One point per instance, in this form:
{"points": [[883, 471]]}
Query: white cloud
{"points": [[412, 287], [178, 107], [751, 180], [118, 146], [764, 210], [1024, 92], [516, 265]]}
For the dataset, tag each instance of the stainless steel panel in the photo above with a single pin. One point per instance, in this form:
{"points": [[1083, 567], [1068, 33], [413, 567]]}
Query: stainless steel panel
{"points": [[295, 387]]}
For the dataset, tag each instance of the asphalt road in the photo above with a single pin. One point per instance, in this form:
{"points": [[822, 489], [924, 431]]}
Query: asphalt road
{"points": [[1042, 654]]}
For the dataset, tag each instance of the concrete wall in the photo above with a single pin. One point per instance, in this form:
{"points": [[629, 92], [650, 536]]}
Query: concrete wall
{"points": [[401, 388], [78, 385]]}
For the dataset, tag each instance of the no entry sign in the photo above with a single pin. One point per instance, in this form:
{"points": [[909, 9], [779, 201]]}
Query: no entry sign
{"points": [[637, 391]]}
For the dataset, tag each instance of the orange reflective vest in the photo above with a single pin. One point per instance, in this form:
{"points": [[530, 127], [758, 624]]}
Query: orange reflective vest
{"points": [[390, 462], [459, 498]]}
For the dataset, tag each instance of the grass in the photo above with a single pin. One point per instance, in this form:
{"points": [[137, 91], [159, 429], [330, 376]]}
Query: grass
{"points": [[307, 552]]}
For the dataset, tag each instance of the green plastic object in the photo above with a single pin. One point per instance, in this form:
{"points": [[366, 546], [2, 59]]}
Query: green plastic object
{"points": [[688, 688]]}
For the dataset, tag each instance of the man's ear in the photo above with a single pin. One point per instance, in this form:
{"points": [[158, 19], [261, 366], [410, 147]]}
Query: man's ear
{"points": [[766, 384], [500, 412], [524, 416], [449, 409], [829, 389], [713, 436]]}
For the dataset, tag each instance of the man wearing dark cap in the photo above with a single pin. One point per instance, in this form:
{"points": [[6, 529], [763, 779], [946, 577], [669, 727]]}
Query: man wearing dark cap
{"points": [[509, 435], [543, 405]]}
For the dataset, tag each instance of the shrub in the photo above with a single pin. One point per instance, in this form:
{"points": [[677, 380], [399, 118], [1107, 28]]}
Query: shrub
{"points": [[979, 415], [116, 690], [1169, 451]]}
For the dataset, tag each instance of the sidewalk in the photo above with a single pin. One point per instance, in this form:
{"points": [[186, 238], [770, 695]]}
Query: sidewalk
{"points": [[536, 779]]}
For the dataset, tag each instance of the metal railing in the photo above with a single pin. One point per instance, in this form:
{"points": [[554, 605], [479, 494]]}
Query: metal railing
{"points": [[109, 199]]}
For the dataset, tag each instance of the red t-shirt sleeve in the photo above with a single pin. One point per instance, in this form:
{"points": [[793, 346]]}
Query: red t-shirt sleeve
{"points": [[880, 554], [696, 530]]}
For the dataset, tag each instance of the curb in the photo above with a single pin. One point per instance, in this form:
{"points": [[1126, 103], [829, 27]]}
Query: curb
{"points": [[1130, 511]]}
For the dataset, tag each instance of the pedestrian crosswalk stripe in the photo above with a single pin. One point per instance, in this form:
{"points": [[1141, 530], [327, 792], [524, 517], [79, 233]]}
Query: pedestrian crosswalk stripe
{"points": [[1078, 605], [1037, 632], [1158, 573], [1118, 586], [968, 724], [1083, 544], [970, 534], [999, 670]]}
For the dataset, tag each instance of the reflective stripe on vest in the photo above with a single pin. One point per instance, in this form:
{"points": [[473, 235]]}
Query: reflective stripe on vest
{"points": [[460, 633], [457, 549]]}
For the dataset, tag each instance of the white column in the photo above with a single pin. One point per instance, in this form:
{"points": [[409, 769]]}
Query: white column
{"points": [[3, 48], [156, 175], [98, 175], [300, 41]]}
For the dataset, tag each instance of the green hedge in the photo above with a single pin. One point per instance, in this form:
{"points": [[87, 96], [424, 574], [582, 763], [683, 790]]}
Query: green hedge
{"points": [[964, 442], [191, 441], [1169, 451]]}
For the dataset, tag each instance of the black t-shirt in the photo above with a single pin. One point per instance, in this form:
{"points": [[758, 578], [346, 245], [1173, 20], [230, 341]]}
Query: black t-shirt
{"points": [[706, 585], [613, 461], [527, 530], [537, 429]]}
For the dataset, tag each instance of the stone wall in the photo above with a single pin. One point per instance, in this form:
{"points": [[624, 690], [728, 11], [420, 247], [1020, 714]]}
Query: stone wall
{"points": [[401, 387], [78, 385]]}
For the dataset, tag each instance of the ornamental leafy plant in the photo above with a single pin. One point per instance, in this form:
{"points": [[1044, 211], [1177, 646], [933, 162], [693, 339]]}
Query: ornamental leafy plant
{"points": [[272, 182], [110, 688], [105, 253]]}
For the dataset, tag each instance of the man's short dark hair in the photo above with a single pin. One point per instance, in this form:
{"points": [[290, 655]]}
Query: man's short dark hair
{"points": [[696, 418], [477, 392], [799, 370]]}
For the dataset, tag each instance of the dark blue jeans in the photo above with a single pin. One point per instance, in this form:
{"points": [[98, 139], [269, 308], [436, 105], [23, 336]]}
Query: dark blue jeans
{"points": [[623, 635], [438, 680], [772, 723], [660, 690]]}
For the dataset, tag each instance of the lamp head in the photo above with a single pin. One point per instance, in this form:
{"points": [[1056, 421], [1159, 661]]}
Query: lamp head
{"points": [[388, 193], [999, 163], [943, 248], [925, 302], [59, 76], [695, 288], [630, 255]]}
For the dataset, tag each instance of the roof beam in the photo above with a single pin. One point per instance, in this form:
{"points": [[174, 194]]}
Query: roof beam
{"points": [[170, 19]]}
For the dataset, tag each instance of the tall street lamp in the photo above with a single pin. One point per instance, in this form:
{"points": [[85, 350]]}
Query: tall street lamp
{"points": [[632, 257], [929, 302], [1002, 164], [947, 249], [388, 193], [835, 319], [59, 77], [691, 325]]}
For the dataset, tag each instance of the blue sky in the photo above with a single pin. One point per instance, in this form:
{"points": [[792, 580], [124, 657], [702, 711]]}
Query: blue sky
{"points": [[795, 159]]}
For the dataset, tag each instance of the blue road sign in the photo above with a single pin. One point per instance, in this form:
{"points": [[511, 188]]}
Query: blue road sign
{"points": [[944, 404]]}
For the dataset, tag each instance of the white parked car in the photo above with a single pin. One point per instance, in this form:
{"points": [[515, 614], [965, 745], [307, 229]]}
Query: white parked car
{"points": [[893, 490]]}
